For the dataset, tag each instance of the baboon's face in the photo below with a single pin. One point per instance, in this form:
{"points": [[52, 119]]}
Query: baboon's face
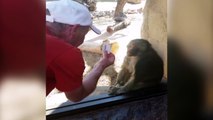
{"points": [[132, 49], [137, 47]]}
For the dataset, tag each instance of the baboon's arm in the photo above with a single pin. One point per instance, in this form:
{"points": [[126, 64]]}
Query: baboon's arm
{"points": [[128, 86]]}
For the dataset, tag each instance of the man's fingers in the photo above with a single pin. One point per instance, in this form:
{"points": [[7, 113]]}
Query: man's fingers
{"points": [[104, 53]]}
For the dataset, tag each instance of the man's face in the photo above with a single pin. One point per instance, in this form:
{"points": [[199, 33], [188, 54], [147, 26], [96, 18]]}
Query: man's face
{"points": [[75, 34], [80, 34]]}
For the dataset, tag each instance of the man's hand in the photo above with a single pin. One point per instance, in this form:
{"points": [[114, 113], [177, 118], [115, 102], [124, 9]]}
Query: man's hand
{"points": [[107, 59], [90, 81]]}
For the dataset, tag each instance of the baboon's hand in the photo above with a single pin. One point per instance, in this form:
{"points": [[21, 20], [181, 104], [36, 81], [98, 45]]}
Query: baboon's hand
{"points": [[121, 90], [113, 90]]}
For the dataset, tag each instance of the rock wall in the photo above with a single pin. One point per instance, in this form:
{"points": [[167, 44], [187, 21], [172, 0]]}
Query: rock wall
{"points": [[154, 27]]}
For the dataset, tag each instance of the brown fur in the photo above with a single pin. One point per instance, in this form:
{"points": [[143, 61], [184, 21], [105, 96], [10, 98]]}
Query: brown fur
{"points": [[142, 67]]}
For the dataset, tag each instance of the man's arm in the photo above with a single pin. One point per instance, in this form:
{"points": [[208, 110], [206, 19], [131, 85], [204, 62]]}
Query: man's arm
{"points": [[90, 81]]}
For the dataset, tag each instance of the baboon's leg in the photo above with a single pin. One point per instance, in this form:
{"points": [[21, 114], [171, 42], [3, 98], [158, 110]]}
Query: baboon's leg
{"points": [[128, 86], [122, 78], [119, 10]]}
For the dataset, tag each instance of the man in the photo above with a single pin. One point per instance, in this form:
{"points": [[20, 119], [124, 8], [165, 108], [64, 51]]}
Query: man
{"points": [[67, 24]]}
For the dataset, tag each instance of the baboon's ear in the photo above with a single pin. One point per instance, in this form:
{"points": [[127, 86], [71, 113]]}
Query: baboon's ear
{"points": [[149, 45], [142, 48], [145, 45]]}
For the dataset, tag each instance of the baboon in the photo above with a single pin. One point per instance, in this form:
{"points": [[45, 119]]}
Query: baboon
{"points": [[119, 16], [90, 4], [142, 67]]}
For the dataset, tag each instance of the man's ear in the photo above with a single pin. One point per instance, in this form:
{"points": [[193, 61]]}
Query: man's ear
{"points": [[75, 27], [47, 12]]}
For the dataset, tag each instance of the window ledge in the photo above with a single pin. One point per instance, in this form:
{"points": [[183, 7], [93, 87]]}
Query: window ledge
{"points": [[105, 100]]}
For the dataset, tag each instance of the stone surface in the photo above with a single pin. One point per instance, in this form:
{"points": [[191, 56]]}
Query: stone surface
{"points": [[154, 27]]}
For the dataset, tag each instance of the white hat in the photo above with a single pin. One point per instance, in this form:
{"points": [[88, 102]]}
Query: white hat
{"points": [[70, 12]]}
